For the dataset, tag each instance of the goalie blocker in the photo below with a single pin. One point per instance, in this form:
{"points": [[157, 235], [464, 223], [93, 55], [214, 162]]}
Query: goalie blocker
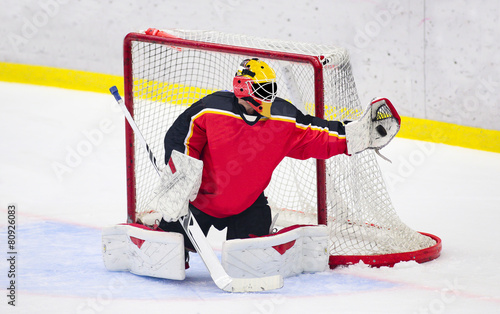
{"points": [[154, 253]]}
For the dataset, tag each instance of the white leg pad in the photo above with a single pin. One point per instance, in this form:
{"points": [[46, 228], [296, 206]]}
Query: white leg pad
{"points": [[144, 252], [289, 252]]}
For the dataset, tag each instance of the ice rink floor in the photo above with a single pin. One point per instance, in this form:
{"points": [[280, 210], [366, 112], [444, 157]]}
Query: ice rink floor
{"points": [[62, 163]]}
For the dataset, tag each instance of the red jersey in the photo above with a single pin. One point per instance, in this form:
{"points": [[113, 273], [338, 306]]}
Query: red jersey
{"points": [[240, 155]]}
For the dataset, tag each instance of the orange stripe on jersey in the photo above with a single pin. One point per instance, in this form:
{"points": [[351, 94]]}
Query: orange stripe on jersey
{"points": [[188, 138]]}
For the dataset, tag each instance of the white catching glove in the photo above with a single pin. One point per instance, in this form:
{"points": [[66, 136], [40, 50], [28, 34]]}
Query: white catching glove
{"points": [[377, 126], [179, 183]]}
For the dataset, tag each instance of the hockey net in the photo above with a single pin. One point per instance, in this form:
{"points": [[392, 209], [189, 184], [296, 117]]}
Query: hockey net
{"points": [[167, 72]]}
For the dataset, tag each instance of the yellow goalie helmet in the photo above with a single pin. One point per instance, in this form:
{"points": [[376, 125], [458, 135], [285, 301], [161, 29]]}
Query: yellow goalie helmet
{"points": [[255, 82]]}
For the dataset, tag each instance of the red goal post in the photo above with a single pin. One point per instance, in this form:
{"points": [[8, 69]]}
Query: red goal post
{"points": [[159, 85]]}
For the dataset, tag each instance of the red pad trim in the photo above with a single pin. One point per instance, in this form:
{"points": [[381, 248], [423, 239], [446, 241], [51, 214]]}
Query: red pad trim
{"points": [[282, 248], [171, 165], [136, 241], [391, 107]]}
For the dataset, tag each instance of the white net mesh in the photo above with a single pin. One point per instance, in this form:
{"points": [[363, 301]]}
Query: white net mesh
{"points": [[361, 217]]}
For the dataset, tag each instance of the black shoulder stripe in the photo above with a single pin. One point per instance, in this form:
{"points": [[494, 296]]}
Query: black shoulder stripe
{"points": [[283, 108], [177, 133], [333, 126]]}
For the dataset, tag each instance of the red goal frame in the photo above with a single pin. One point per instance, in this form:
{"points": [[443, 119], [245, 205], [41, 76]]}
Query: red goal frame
{"points": [[419, 256]]}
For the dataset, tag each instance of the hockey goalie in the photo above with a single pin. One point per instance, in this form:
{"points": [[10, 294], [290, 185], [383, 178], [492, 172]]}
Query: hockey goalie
{"points": [[220, 154]]}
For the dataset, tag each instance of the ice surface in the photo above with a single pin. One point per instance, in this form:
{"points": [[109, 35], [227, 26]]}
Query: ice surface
{"points": [[62, 163]]}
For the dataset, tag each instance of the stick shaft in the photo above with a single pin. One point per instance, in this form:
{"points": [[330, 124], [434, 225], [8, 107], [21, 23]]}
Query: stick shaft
{"points": [[134, 126], [197, 237]]}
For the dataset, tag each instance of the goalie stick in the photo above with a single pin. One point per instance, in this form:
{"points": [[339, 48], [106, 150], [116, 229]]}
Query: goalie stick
{"points": [[200, 242]]}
